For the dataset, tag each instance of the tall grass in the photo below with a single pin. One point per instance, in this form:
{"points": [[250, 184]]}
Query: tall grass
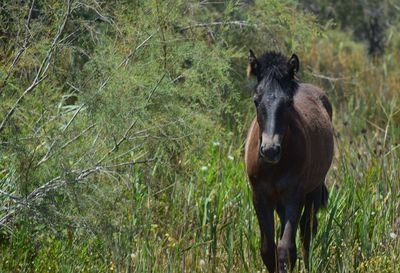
{"points": [[207, 223]]}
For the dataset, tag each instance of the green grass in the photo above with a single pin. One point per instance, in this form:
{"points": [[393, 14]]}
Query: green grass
{"points": [[207, 223]]}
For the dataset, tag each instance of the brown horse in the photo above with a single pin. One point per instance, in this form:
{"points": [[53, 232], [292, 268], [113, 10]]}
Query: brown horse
{"points": [[288, 152]]}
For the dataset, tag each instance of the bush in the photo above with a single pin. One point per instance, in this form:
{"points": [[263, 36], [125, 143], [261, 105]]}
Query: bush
{"points": [[104, 107]]}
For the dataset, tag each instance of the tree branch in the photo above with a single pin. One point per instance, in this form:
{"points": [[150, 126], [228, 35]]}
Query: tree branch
{"points": [[41, 74], [55, 184], [22, 49], [125, 136], [241, 24]]}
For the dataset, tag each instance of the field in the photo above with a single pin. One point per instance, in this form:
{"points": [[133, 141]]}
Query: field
{"points": [[127, 154]]}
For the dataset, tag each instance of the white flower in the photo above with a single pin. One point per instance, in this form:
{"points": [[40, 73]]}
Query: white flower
{"points": [[216, 143], [393, 235], [230, 157], [202, 263], [204, 168]]}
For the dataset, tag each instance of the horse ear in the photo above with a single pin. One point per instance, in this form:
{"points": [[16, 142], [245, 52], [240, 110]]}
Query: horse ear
{"points": [[252, 67], [293, 65]]}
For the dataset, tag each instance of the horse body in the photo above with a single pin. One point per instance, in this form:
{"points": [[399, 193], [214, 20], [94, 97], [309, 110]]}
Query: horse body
{"points": [[307, 148], [294, 184]]}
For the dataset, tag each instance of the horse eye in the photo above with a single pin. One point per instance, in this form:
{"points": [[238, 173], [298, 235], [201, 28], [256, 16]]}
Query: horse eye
{"points": [[289, 102]]}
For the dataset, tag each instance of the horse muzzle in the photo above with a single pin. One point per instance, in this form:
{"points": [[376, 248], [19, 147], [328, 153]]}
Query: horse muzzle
{"points": [[271, 153]]}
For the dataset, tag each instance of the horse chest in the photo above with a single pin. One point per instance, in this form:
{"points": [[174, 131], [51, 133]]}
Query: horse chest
{"points": [[272, 185]]}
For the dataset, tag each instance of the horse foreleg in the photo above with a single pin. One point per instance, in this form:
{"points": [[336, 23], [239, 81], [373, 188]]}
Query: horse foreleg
{"points": [[287, 245], [281, 213], [265, 215]]}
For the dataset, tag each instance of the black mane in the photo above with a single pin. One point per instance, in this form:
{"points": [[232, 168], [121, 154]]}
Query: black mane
{"points": [[273, 64], [274, 68]]}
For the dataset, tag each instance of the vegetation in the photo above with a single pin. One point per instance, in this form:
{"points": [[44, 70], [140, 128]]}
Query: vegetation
{"points": [[122, 126]]}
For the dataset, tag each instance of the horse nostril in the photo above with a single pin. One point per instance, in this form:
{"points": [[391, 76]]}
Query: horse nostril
{"points": [[263, 150], [271, 153], [278, 149]]}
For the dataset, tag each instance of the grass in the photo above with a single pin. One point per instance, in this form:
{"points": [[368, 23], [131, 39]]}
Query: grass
{"points": [[207, 223]]}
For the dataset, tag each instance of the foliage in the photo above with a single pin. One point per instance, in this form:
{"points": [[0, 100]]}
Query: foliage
{"points": [[368, 20], [127, 155]]}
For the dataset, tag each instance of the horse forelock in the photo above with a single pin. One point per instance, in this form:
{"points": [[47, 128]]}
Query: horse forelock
{"points": [[274, 71], [273, 65]]}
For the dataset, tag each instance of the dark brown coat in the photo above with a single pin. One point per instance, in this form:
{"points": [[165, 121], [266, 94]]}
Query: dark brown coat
{"points": [[297, 180], [307, 146]]}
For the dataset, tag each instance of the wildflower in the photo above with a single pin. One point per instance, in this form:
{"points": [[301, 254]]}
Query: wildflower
{"points": [[230, 157], [216, 143], [112, 266], [202, 263], [204, 168], [393, 235]]}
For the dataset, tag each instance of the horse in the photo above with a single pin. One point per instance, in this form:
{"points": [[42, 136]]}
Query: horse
{"points": [[288, 152]]}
